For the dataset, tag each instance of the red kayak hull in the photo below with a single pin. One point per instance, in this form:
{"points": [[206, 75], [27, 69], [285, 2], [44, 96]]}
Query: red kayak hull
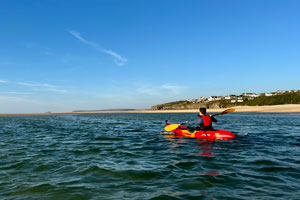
{"points": [[200, 134]]}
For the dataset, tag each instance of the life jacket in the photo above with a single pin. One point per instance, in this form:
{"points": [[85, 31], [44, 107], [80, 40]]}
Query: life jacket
{"points": [[207, 122]]}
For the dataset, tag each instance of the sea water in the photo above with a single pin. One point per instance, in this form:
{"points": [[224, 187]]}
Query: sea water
{"points": [[129, 156]]}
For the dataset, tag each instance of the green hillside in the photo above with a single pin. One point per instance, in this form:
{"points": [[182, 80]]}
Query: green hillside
{"points": [[278, 99], [285, 98]]}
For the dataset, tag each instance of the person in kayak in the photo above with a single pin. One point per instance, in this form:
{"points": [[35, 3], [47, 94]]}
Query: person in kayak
{"points": [[204, 122]]}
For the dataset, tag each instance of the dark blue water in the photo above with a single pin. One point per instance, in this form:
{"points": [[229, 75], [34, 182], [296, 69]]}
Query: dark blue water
{"points": [[127, 156]]}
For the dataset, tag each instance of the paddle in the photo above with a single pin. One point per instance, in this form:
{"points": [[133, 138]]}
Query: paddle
{"points": [[230, 110], [172, 127]]}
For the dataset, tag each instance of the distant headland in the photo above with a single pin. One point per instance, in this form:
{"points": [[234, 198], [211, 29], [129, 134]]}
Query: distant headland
{"points": [[274, 102], [244, 99]]}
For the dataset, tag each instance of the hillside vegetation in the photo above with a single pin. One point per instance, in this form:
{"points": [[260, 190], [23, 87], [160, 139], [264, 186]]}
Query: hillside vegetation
{"points": [[285, 98]]}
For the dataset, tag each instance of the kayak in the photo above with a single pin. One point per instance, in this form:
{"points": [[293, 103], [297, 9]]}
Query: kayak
{"points": [[201, 134]]}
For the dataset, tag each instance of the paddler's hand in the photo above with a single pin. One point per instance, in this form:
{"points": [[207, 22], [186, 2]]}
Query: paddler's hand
{"points": [[187, 122]]}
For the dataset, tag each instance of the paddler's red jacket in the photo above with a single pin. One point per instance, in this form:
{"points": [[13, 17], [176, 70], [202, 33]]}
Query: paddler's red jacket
{"points": [[204, 122]]}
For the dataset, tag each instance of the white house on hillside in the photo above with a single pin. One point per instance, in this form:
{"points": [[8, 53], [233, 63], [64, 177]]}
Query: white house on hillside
{"points": [[214, 98], [231, 96], [202, 99], [280, 92], [250, 94]]}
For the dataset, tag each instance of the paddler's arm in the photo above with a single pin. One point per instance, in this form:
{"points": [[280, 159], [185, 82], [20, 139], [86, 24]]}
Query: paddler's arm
{"points": [[213, 119], [197, 121]]}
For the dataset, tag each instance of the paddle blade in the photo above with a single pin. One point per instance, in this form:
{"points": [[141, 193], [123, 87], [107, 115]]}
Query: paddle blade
{"points": [[171, 127], [230, 110]]}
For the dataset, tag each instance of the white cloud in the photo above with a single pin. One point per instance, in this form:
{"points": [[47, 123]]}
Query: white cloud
{"points": [[2, 81], [119, 60], [175, 89], [11, 98], [78, 36], [43, 87], [17, 93], [148, 90], [165, 89]]}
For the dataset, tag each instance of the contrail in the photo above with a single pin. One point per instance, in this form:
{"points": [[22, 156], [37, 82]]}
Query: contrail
{"points": [[118, 58]]}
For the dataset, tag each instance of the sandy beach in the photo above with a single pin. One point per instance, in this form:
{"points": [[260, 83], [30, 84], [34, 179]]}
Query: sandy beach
{"points": [[291, 108]]}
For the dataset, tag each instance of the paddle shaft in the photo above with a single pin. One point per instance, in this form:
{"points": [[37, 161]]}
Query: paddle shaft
{"points": [[230, 110]]}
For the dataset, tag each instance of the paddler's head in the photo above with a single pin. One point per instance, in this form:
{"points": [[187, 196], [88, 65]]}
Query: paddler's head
{"points": [[202, 111]]}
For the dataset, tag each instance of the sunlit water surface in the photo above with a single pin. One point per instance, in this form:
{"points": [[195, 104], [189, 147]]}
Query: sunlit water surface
{"points": [[129, 156]]}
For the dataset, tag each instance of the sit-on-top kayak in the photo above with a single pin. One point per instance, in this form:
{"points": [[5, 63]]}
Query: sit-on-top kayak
{"points": [[200, 134]]}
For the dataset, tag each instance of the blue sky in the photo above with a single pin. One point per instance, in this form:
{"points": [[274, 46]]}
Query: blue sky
{"points": [[109, 54]]}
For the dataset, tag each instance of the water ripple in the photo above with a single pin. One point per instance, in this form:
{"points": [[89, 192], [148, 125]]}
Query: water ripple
{"points": [[125, 156]]}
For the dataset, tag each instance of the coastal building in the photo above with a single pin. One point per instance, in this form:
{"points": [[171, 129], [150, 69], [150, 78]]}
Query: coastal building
{"points": [[280, 92], [192, 100], [202, 99], [199, 100], [269, 94], [231, 96], [250, 95], [214, 98]]}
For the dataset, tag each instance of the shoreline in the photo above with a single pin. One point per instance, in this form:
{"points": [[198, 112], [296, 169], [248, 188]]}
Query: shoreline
{"points": [[286, 108]]}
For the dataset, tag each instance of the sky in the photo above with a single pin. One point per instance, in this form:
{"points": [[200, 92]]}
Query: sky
{"points": [[58, 56]]}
